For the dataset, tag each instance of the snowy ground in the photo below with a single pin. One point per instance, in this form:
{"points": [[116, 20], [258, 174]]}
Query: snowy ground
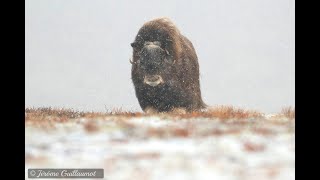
{"points": [[159, 148]]}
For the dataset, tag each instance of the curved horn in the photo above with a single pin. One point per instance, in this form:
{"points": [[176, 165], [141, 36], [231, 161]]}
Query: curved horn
{"points": [[130, 60], [167, 52]]}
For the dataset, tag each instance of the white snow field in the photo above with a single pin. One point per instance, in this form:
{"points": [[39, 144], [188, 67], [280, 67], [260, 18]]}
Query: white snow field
{"points": [[166, 147]]}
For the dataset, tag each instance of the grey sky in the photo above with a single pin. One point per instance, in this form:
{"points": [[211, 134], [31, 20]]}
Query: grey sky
{"points": [[77, 51]]}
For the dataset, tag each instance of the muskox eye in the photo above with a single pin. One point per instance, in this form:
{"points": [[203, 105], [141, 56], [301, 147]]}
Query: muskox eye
{"points": [[134, 44]]}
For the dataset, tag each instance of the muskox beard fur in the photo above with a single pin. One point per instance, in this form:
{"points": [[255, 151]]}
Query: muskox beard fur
{"points": [[181, 87], [166, 97]]}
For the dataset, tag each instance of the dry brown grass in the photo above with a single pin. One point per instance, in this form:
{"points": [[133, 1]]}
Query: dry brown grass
{"points": [[288, 112], [122, 112], [227, 112], [45, 114], [63, 115], [52, 114], [59, 112], [224, 112]]}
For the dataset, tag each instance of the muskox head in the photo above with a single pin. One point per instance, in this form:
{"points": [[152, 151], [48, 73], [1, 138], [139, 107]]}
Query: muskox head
{"points": [[153, 62]]}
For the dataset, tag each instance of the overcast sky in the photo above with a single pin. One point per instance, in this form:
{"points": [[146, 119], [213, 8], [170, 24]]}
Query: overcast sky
{"points": [[77, 51]]}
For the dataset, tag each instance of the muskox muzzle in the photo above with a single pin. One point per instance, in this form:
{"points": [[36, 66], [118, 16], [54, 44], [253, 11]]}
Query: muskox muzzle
{"points": [[152, 57], [153, 80]]}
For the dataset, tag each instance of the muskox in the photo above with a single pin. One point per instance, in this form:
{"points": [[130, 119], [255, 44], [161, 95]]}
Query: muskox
{"points": [[165, 69]]}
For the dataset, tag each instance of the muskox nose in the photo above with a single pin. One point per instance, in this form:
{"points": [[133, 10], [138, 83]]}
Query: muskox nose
{"points": [[153, 80], [151, 68]]}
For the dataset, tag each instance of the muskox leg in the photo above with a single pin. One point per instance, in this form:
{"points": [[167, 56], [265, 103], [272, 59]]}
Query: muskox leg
{"points": [[150, 110], [179, 110]]}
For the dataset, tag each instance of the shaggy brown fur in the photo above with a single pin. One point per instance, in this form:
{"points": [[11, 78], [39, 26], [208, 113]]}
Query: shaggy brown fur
{"points": [[165, 69]]}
